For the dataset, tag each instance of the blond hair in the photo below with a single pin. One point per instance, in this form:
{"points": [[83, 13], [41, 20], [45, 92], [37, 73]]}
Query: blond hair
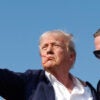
{"points": [[67, 36]]}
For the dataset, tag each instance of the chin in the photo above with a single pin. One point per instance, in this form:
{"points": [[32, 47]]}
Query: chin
{"points": [[48, 67]]}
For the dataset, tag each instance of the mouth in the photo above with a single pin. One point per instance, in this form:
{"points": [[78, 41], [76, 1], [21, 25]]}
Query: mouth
{"points": [[50, 58], [47, 59]]}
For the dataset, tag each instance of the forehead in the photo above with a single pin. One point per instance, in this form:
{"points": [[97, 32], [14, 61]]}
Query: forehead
{"points": [[97, 39], [52, 37], [97, 42]]}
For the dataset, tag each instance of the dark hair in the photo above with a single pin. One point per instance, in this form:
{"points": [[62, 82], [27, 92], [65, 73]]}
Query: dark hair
{"points": [[97, 33]]}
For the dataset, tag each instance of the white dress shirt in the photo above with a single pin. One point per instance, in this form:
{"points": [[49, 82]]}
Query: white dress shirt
{"points": [[79, 91]]}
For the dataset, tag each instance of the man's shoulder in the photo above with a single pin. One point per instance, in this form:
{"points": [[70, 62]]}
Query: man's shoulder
{"points": [[98, 86], [33, 72], [98, 89], [93, 90]]}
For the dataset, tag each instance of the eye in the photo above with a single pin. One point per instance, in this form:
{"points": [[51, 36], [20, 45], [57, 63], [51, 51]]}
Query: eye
{"points": [[56, 45], [44, 47]]}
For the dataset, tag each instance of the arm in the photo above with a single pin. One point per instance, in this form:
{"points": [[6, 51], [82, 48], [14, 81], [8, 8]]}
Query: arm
{"points": [[11, 85]]}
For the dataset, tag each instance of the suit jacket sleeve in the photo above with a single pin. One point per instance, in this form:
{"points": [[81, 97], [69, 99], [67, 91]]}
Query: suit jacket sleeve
{"points": [[11, 85]]}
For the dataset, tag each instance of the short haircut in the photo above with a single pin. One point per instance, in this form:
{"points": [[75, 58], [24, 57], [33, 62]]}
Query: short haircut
{"points": [[97, 33], [67, 36]]}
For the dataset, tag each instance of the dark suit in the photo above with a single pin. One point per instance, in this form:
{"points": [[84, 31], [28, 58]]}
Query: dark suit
{"points": [[98, 89], [31, 85]]}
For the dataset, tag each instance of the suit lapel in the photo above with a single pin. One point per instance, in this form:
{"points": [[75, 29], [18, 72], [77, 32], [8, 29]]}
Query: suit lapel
{"points": [[47, 87], [49, 92], [43, 90]]}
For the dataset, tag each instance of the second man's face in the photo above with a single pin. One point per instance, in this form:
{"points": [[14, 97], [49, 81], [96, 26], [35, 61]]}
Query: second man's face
{"points": [[97, 43], [97, 46]]}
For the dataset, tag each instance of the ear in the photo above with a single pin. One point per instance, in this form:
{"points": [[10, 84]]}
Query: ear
{"points": [[72, 56]]}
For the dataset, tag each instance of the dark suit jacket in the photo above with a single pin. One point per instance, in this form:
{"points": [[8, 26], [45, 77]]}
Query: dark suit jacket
{"points": [[98, 90], [31, 85]]}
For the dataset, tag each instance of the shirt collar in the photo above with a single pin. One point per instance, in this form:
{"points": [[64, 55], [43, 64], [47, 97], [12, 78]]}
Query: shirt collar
{"points": [[78, 86]]}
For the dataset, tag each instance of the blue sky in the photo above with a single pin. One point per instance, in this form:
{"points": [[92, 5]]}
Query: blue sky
{"points": [[23, 21]]}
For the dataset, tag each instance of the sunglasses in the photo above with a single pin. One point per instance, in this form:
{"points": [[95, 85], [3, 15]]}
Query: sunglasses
{"points": [[97, 53]]}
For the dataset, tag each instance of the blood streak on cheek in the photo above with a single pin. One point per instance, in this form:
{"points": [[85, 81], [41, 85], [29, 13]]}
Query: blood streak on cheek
{"points": [[44, 59]]}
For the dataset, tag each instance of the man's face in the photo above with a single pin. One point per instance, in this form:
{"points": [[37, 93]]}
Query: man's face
{"points": [[53, 51], [97, 43], [97, 46]]}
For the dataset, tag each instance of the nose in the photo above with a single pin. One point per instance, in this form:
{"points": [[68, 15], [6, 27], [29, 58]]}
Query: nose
{"points": [[50, 50]]}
